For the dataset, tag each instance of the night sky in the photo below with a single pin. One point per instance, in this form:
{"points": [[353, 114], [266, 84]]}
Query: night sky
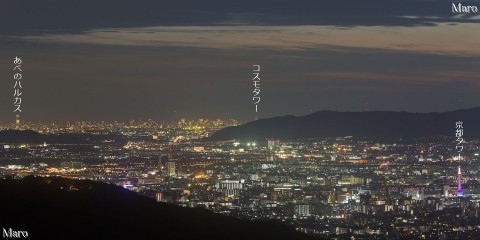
{"points": [[138, 59]]}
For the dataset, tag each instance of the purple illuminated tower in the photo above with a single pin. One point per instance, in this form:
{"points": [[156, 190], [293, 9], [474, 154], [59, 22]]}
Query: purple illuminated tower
{"points": [[459, 179]]}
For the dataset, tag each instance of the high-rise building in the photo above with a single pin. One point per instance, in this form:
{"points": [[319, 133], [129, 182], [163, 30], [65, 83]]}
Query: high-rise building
{"points": [[159, 197], [230, 187], [171, 169], [270, 144], [302, 210], [17, 122], [459, 180], [446, 190]]}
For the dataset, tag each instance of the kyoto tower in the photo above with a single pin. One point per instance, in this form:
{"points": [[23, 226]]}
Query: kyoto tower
{"points": [[459, 179]]}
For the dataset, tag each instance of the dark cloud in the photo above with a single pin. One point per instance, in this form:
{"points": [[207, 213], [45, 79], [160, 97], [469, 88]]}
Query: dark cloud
{"points": [[125, 74], [18, 17]]}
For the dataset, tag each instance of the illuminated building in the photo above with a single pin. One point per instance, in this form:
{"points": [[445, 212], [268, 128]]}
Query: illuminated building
{"points": [[17, 122], [459, 180], [72, 165], [302, 210], [171, 169], [159, 197], [270, 144], [230, 187]]}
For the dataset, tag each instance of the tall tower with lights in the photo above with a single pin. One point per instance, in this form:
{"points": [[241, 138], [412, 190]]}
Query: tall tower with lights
{"points": [[459, 179], [17, 122]]}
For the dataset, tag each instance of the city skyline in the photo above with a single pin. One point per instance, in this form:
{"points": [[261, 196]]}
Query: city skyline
{"points": [[214, 119]]}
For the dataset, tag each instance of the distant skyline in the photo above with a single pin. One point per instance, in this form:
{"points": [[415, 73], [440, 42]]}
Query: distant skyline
{"points": [[122, 60]]}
